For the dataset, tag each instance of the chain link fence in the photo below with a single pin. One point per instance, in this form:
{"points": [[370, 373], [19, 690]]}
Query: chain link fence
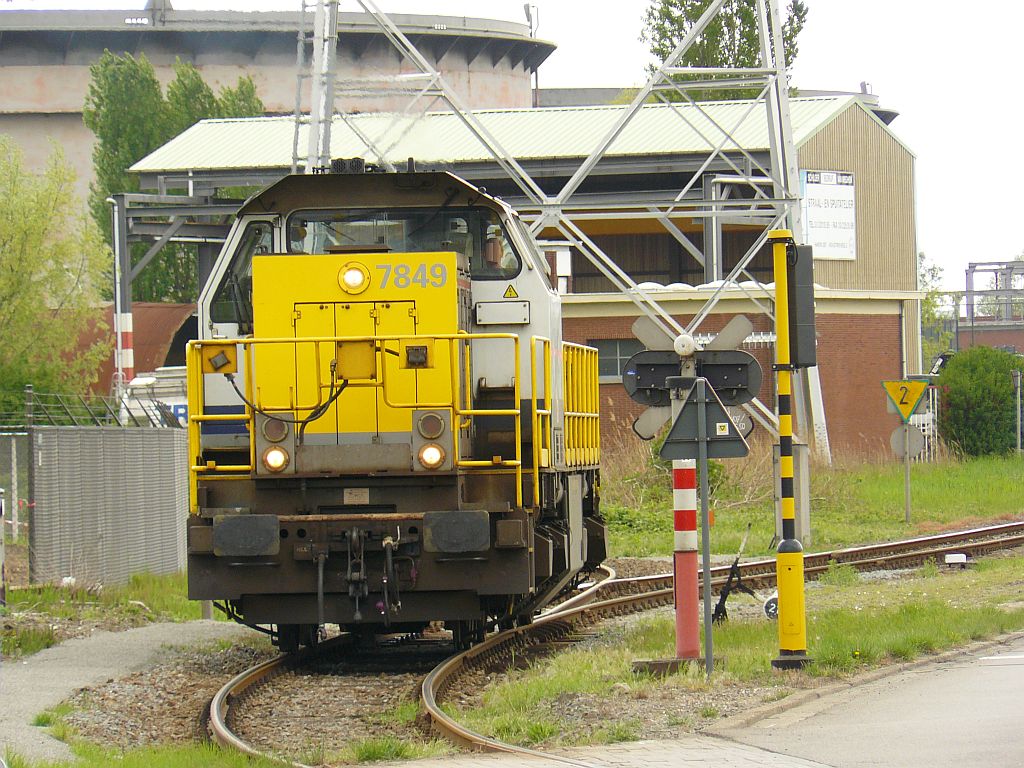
{"points": [[107, 503], [96, 486]]}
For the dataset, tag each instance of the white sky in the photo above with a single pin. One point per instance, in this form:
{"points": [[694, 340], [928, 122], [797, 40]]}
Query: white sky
{"points": [[949, 74]]}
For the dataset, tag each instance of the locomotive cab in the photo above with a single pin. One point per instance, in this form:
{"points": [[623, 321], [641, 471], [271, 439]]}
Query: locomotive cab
{"points": [[386, 428]]}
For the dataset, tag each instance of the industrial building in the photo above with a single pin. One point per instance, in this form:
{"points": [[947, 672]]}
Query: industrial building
{"points": [[857, 177], [45, 58], [865, 266]]}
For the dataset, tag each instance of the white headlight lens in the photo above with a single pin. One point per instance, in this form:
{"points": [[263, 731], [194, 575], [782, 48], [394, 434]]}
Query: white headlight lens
{"points": [[431, 455], [353, 277], [275, 458]]}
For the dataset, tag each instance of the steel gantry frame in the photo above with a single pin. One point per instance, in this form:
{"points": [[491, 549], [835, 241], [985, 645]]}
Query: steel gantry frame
{"points": [[732, 184], [774, 196]]}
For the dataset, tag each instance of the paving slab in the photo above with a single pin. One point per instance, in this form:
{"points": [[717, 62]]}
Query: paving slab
{"points": [[31, 685], [963, 708], [688, 750]]}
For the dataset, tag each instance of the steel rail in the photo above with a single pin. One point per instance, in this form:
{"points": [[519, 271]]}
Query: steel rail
{"points": [[245, 683], [586, 595], [657, 591], [560, 623]]}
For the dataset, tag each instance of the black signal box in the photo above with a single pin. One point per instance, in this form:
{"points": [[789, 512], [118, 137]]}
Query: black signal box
{"points": [[803, 352]]}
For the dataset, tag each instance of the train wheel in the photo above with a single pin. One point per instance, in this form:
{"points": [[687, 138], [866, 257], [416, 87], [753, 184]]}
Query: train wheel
{"points": [[288, 637], [309, 635], [291, 636], [466, 633]]}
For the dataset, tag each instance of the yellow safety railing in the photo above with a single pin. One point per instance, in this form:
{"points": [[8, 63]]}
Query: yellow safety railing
{"points": [[582, 417], [459, 403], [540, 417]]}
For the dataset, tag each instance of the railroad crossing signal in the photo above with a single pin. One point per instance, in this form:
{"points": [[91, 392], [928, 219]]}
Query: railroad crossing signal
{"points": [[733, 374], [905, 395], [676, 379]]}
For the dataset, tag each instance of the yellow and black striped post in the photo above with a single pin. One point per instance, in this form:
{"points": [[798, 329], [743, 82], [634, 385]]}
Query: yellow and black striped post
{"points": [[789, 563]]}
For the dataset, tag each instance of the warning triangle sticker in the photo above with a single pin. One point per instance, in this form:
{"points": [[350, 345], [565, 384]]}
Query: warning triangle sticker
{"points": [[510, 293]]}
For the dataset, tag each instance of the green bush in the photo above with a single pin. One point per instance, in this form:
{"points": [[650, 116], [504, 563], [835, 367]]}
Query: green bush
{"points": [[977, 413]]}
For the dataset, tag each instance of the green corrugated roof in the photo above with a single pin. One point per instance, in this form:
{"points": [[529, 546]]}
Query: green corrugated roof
{"points": [[441, 137]]}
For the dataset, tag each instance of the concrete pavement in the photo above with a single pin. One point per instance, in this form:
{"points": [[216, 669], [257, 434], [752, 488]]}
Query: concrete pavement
{"points": [[43, 680], [962, 709], [966, 709]]}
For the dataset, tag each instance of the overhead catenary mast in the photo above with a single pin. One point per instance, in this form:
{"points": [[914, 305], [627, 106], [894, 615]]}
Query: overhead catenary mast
{"points": [[318, 68]]}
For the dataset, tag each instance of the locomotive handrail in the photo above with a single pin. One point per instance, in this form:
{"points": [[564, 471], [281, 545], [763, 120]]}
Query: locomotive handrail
{"points": [[582, 415], [210, 470], [540, 424]]}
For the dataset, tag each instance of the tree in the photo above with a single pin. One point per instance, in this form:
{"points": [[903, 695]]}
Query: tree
{"points": [[240, 101], [126, 110], [189, 99], [54, 261], [730, 40], [977, 412], [935, 336]]}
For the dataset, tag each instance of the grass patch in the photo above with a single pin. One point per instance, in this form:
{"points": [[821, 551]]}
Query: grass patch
{"points": [[145, 596], [404, 714], [630, 730], [388, 748], [51, 716], [852, 624], [839, 575], [852, 504], [91, 756], [24, 641]]}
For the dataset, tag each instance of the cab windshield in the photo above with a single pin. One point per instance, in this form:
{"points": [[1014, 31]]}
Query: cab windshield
{"points": [[475, 233]]}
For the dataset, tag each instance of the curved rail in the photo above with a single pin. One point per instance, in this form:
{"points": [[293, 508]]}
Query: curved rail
{"points": [[560, 623], [245, 683], [656, 590]]}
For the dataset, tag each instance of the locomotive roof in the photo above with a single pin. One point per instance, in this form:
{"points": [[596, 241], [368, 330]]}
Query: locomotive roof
{"points": [[358, 190]]}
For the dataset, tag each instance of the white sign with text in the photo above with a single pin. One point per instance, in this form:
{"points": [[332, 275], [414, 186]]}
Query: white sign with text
{"points": [[829, 213]]}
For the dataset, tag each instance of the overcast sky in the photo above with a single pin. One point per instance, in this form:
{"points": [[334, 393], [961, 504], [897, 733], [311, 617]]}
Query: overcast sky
{"points": [[945, 71]]}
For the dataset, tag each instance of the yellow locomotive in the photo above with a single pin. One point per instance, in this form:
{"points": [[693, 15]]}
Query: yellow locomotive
{"points": [[385, 426]]}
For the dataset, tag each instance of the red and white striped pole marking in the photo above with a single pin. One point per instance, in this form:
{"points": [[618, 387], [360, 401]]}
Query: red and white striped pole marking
{"points": [[126, 347], [684, 565]]}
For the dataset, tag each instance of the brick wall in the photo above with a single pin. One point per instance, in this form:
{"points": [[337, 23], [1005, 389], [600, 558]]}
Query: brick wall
{"points": [[991, 337], [855, 354]]}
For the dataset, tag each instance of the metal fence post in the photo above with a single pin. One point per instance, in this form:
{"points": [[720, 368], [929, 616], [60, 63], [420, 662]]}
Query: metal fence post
{"points": [[31, 494], [3, 535], [15, 502]]}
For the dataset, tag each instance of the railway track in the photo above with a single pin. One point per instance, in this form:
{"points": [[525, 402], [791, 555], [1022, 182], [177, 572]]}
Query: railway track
{"points": [[567, 622]]}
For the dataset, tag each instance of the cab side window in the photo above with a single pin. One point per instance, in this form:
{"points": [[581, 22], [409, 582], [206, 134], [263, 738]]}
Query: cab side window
{"points": [[232, 303], [495, 258]]}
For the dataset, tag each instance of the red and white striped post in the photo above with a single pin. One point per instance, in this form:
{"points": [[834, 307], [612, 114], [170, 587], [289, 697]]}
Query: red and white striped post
{"points": [[125, 345], [684, 565]]}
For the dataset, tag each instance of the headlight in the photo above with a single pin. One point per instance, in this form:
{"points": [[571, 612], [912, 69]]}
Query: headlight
{"points": [[354, 277], [430, 425], [275, 458], [431, 456], [275, 430]]}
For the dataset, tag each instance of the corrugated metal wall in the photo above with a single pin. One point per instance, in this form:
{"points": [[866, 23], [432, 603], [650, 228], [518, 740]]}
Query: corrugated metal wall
{"points": [[884, 181], [886, 229], [109, 502]]}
